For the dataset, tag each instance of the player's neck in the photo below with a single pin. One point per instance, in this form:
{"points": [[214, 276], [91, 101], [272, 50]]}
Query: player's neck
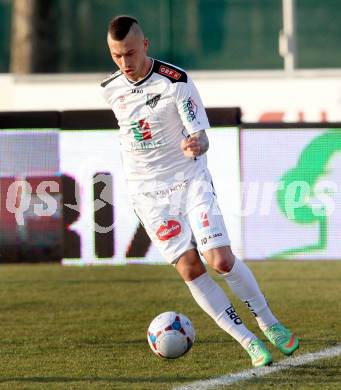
{"points": [[145, 70]]}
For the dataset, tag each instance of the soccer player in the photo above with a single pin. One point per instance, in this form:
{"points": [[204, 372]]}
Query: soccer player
{"points": [[163, 144]]}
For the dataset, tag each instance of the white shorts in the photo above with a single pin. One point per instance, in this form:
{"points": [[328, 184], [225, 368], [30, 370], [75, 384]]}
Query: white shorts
{"points": [[181, 217]]}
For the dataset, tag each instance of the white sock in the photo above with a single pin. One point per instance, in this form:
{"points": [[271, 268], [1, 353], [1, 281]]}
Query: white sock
{"points": [[245, 287], [213, 300]]}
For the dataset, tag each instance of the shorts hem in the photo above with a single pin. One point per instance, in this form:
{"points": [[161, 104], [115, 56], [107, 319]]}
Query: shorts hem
{"points": [[215, 247]]}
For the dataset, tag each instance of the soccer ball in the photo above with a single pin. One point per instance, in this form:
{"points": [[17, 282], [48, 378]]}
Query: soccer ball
{"points": [[170, 335]]}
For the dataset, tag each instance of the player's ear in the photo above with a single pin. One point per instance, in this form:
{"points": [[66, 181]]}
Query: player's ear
{"points": [[146, 44]]}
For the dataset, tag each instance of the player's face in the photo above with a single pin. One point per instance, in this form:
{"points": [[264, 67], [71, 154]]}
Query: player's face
{"points": [[130, 55]]}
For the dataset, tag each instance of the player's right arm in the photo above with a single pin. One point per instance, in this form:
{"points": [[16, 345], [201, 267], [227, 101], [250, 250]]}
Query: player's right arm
{"points": [[195, 145]]}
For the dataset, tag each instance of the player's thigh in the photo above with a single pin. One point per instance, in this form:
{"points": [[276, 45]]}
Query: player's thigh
{"points": [[207, 222], [171, 234]]}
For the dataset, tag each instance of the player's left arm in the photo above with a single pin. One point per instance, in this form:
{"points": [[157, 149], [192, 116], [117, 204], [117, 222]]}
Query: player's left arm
{"points": [[195, 145], [194, 119]]}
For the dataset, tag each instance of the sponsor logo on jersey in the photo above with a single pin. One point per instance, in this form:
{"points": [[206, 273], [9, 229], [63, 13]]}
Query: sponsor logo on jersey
{"points": [[168, 230], [190, 109], [153, 99], [169, 72], [147, 145], [121, 103], [141, 130], [168, 191], [202, 220], [143, 136], [209, 237], [137, 90]]}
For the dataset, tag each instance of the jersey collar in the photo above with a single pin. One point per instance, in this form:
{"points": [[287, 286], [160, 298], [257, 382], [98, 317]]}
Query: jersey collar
{"points": [[139, 82]]}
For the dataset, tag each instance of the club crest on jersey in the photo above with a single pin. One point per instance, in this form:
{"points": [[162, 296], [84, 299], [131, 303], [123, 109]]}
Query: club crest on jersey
{"points": [[153, 99], [190, 108], [168, 230], [169, 72]]}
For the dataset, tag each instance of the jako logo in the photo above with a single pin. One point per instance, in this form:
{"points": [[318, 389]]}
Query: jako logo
{"points": [[168, 230], [233, 316]]}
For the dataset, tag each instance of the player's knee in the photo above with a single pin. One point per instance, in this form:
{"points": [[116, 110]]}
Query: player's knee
{"points": [[190, 266], [223, 264], [192, 273]]}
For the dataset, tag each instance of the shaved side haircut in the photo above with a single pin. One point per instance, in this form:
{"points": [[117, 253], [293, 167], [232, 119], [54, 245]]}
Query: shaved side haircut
{"points": [[120, 26]]}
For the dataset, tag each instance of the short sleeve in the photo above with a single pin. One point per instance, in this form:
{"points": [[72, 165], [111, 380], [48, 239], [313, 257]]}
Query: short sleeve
{"points": [[190, 107]]}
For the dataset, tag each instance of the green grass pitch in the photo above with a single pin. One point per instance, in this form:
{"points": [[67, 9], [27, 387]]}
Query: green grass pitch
{"points": [[85, 328]]}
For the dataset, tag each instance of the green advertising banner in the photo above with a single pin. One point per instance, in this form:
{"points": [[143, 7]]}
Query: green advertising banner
{"points": [[291, 181]]}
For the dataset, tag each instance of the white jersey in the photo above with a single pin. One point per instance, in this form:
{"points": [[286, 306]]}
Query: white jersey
{"points": [[154, 114]]}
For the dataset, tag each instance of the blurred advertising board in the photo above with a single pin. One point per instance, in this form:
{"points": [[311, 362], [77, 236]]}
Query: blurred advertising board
{"points": [[291, 192], [63, 195], [30, 196]]}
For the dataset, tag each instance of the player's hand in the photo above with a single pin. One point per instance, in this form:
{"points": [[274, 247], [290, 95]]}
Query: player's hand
{"points": [[191, 147]]}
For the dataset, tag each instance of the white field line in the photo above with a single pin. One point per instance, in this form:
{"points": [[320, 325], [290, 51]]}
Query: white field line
{"points": [[245, 375]]}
